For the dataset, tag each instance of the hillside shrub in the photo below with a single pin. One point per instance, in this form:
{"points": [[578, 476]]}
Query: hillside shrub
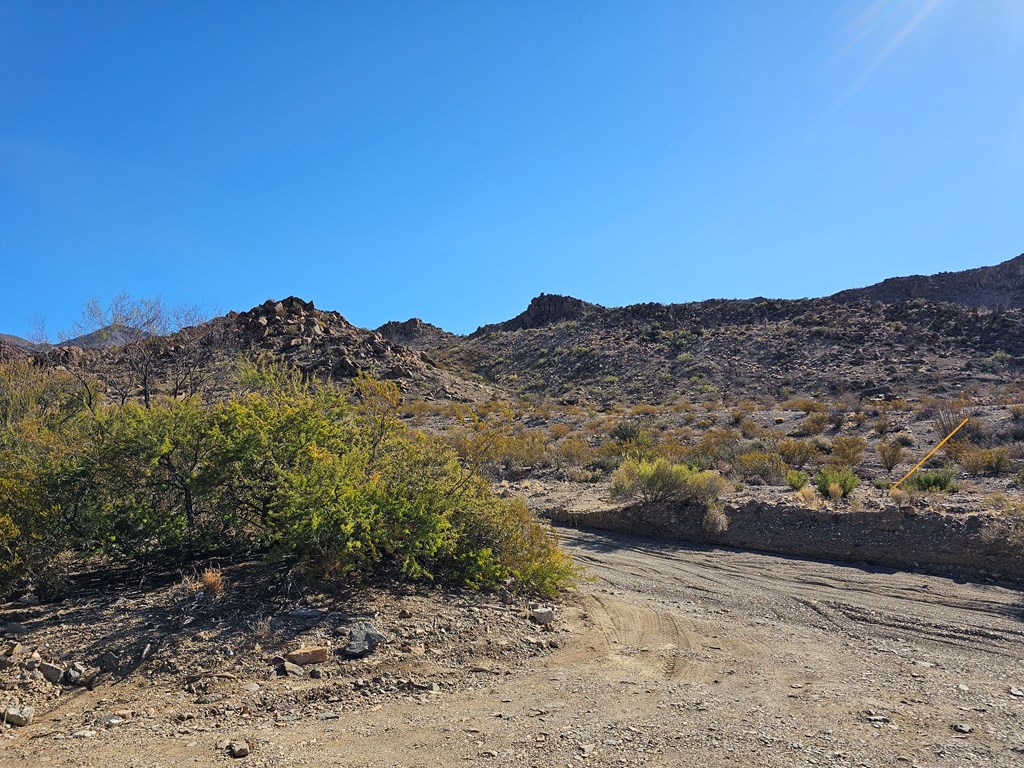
{"points": [[976, 461], [323, 477], [940, 480], [796, 479], [660, 481], [765, 465], [889, 454], [847, 451], [795, 452], [836, 482]]}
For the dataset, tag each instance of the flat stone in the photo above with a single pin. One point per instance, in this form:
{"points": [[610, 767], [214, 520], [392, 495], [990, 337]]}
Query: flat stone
{"points": [[304, 656], [14, 628], [238, 749], [306, 613], [18, 715], [291, 670], [209, 698]]}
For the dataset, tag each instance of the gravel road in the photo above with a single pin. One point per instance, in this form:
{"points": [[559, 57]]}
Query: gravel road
{"points": [[670, 656]]}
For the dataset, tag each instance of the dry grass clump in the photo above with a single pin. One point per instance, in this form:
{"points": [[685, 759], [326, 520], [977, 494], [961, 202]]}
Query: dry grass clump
{"points": [[806, 497], [211, 582], [715, 520]]}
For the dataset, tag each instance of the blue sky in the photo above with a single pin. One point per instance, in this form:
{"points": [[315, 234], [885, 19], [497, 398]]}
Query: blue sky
{"points": [[450, 160]]}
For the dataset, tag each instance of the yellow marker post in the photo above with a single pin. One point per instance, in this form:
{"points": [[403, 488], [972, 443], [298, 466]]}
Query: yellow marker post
{"points": [[933, 450]]}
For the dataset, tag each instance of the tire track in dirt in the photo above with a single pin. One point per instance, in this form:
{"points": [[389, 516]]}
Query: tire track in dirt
{"points": [[829, 596]]}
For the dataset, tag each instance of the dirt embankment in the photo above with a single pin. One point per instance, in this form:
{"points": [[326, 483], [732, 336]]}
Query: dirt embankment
{"points": [[892, 536]]}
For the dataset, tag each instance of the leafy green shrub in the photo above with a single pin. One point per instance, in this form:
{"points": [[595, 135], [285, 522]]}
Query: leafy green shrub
{"points": [[661, 481], [796, 479], [836, 482], [325, 478], [933, 480]]}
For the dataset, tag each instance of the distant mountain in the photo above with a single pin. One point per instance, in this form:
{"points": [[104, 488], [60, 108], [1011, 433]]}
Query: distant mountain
{"points": [[16, 341], [1001, 285], [939, 335]]}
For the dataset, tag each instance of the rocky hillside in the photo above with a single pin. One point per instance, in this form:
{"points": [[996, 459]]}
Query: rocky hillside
{"points": [[319, 342], [657, 353], [998, 286]]}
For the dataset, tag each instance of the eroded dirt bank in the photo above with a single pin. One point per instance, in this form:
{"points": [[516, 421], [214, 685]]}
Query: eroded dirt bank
{"points": [[885, 534], [671, 655]]}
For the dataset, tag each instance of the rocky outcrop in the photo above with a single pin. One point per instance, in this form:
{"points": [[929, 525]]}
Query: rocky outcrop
{"points": [[998, 286], [416, 334], [543, 310]]}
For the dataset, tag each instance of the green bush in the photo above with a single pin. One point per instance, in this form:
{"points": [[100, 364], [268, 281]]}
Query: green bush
{"points": [[796, 479], [323, 477], [836, 482], [660, 481], [933, 480]]}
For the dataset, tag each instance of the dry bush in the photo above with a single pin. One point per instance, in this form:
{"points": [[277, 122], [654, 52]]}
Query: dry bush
{"points": [[848, 451], [836, 418], [899, 496], [558, 431], [1003, 503], [715, 446], [572, 452], [889, 454], [715, 520], [1016, 411], [796, 452], [883, 424], [750, 429], [814, 423], [804, 404], [949, 418], [991, 461], [763, 464]]}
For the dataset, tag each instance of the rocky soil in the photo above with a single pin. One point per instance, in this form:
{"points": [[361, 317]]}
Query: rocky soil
{"points": [[670, 655]]}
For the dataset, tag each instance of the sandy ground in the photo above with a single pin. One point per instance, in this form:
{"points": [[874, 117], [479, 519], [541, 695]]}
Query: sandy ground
{"points": [[670, 656]]}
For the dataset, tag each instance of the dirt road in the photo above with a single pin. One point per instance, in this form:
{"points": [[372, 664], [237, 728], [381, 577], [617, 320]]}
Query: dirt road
{"points": [[672, 656]]}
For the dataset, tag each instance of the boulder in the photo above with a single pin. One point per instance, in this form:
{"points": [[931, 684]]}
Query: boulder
{"points": [[363, 639], [18, 715]]}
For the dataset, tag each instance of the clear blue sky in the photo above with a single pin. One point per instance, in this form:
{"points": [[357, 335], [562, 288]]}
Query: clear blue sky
{"points": [[450, 160]]}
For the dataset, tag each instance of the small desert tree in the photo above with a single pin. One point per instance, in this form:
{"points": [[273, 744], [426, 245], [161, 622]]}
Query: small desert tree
{"points": [[134, 327]]}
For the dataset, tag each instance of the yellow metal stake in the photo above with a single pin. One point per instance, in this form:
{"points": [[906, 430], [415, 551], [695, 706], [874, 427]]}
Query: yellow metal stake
{"points": [[933, 450]]}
